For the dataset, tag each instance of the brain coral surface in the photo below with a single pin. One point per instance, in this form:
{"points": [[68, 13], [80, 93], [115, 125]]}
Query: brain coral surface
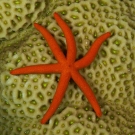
{"points": [[24, 99]]}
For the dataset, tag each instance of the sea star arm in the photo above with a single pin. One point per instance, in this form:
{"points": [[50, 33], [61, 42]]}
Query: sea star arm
{"points": [[51, 42], [38, 69], [80, 81], [70, 40], [91, 54], [59, 94]]}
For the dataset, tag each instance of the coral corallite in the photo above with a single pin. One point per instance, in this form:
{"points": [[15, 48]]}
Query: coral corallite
{"points": [[24, 99]]}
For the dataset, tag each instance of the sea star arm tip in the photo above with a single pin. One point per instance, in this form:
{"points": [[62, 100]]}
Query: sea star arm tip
{"points": [[91, 54], [38, 69], [71, 44], [80, 81], [60, 91], [51, 42]]}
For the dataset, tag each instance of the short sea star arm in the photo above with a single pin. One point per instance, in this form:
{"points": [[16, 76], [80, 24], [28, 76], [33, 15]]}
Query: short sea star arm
{"points": [[60, 91], [91, 54], [38, 69], [71, 44], [80, 81], [51, 42]]}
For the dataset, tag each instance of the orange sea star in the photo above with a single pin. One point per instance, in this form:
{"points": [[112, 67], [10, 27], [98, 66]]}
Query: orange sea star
{"points": [[66, 66]]}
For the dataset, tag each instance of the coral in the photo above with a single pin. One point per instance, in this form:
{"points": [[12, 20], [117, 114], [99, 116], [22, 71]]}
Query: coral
{"points": [[24, 99], [17, 15]]}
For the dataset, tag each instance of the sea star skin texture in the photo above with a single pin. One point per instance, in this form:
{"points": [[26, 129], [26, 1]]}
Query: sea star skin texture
{"points": [[66, 66]]}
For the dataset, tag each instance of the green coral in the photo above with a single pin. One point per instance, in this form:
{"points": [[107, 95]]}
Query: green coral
{"points": [[25, 98]]}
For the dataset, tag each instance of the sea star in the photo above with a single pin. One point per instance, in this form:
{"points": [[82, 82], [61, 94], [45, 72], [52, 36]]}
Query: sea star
{"points": [[66, 66]]}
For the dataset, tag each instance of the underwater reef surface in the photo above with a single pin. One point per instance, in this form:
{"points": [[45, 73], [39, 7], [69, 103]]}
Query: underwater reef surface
{"points": [[24, 99]]}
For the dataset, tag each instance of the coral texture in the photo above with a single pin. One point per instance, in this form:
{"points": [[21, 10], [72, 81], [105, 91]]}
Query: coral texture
{"points": [[25, 98], [17, 15]]}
